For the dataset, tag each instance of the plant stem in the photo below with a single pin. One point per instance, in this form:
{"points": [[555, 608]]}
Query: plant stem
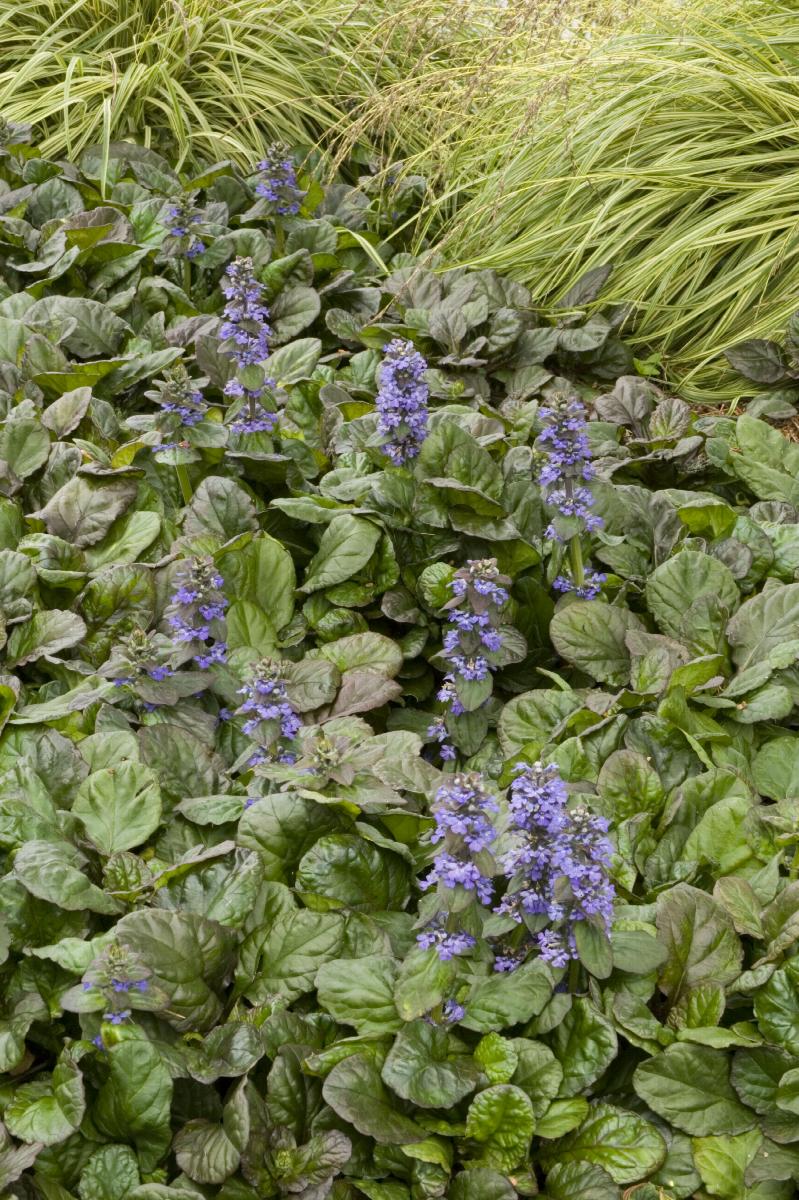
{"points": [[279, 240], [793, 870], [576, 558], [184, 481], [187, 276], [574, 976]]}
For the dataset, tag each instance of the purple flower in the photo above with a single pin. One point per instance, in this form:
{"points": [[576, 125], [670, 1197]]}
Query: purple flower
{"points": [[506, 963], [181, 215], [263, 421], [454, 872], [567, 464], [452, 1012], [117, 1018], [461, 807], [555, 949], [448, 944], [269, 714], [588, 590], [196, 611], [277, 182], [448, 695], [438, 732], [245, 329], [402, 401], [473, 636], [181, 402], [216, 654], [558, 862], [462, 810]]}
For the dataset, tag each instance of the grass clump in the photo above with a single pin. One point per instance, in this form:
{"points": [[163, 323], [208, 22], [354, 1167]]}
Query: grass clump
{"points": [[215, 80], [667, 148]]}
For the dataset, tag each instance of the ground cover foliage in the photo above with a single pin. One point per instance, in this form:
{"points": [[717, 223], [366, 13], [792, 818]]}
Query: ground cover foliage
{"points": [[290, 619]]}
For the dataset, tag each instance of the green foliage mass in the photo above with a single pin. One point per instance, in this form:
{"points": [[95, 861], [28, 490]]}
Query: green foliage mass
{"points": [[290, 1036]]}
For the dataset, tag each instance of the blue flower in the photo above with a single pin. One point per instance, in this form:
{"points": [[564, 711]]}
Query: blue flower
{"points": [[588, 590], [182, 405], [402, 401], [126, 985], [117, 1018], [452, 1012], [558, 863], [262, 420], [245, 328], [270, 716], [159, 674], [462, 810], [447, 944], [278, 182], [473, 636], [567, 464], [438, 732], [505, 963], [197, 609], [181, 215], [245, 331]]}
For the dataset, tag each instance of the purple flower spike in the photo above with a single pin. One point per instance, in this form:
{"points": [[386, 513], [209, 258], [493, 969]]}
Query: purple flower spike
{"points": [[567, 464], [270, 719], [181, 215], [196, 612], [558, 863], [245, 333], [474, 636], [245, 327], [402, 401], [277, 182], [462, 810]]}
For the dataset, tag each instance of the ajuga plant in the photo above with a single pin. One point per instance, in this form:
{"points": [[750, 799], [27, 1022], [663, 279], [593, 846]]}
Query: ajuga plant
{"points": [[396, 825]]}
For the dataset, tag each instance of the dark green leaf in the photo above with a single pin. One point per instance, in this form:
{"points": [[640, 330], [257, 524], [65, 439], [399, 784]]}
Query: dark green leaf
{"points": [[585, 1044], [120, 807], [621, 1143], [355, 1091], [689, 1086], [360, 992], [591, 635], [502, 1121], [430, 1067], [702, 943], [133, 1104]]}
